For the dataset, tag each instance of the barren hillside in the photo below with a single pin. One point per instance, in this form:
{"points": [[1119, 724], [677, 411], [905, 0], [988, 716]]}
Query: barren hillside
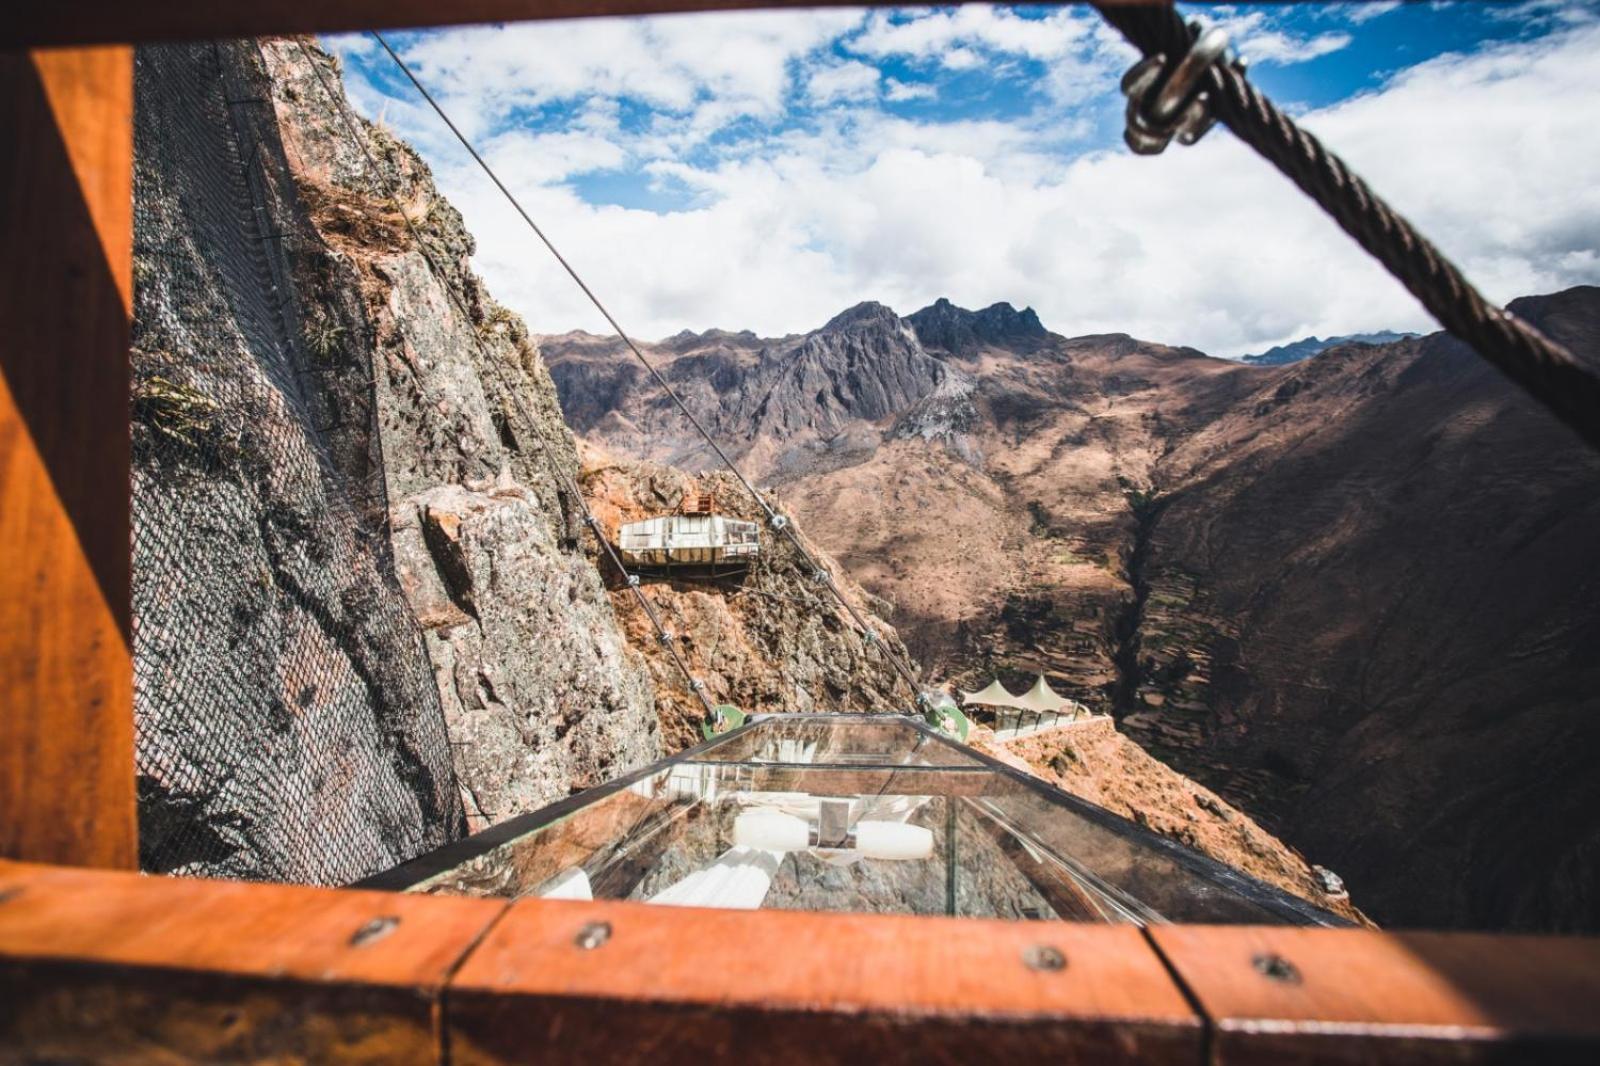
{"points": [[1354, 594]]}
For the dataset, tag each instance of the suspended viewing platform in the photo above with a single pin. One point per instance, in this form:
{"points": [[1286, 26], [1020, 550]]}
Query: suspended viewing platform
{"points": [[865, 813], [696, 537]]}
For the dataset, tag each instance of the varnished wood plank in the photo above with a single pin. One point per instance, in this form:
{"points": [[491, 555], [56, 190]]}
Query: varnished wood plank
{"points": [[66, 187], [678, 984], [97, 965], [1285, 995], [92, 21]]}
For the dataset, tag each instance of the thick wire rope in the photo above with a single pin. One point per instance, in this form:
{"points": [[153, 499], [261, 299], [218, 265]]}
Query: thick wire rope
{"points": [[1543, 368], [664, 636], [778, 521]]}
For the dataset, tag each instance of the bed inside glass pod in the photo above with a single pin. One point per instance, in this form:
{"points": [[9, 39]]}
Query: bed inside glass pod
{"points": [[874, 813]]}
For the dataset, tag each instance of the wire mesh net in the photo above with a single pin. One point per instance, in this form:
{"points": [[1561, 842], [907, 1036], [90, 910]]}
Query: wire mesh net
{"points": [[288, 721]]}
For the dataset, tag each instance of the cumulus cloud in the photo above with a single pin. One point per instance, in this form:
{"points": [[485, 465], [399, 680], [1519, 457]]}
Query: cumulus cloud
{"points": [[1207, 246], [1367, 10], [975, 27], [849, 80], [739, 61], [1256, 38], [898, 91]]}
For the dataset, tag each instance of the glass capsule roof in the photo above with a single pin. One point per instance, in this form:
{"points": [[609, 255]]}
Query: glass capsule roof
{"points": [[870, 813]]}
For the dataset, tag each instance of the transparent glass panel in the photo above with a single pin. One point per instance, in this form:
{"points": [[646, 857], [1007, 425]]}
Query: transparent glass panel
{"points": [[918, 840], [821, 740]]}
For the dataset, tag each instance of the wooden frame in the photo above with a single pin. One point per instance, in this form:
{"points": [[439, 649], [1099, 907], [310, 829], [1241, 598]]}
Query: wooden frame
{"points": [[96, 963], [99, 964]]}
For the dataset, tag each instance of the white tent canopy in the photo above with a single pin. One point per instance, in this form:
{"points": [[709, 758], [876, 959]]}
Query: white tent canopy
{"points": [[1041, 697], [994, 695]]}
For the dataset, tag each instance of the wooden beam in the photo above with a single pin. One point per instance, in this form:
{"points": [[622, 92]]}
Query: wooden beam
{"points": [[66, 224], [101, 21], [1275, 995], [97, 965], [616, 982], [101, 966]]}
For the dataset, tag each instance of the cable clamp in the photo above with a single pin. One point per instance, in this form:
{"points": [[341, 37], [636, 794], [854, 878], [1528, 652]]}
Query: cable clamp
{"points": [[665, 638], [633, 581], [1167, 101], [821, 577], [778, 521]]}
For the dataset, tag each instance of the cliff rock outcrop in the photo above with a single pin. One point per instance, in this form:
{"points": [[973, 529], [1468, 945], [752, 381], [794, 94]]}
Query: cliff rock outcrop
{"points": [[767, 641], [288, 726], [350, 482], [540, 692]]}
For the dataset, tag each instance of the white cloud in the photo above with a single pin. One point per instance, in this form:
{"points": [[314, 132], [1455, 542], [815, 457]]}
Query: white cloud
{"points": [[972, 27], [738, 62], [899, 91], [1254, 37], [1367, 10], [850, 80], [550, 157], [1493, 155]]}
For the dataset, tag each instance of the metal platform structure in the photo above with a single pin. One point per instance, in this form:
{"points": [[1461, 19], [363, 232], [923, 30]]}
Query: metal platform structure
{"points": [[864, 813], [697, 540]]}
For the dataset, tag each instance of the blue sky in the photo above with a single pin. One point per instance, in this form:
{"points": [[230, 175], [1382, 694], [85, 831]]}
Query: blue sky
{"points": [[764, 170]]}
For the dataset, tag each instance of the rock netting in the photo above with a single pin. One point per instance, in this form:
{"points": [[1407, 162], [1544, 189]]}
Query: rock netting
{"points": [[287, 721], [542, 695], [331, 416]]}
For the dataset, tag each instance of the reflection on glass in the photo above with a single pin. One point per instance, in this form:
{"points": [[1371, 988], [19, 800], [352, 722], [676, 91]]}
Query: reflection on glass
{"points": [[859, 815], [818, 740]]}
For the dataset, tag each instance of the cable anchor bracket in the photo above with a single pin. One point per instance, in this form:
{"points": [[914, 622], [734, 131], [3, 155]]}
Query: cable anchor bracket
{"points": [[1167, 101]]}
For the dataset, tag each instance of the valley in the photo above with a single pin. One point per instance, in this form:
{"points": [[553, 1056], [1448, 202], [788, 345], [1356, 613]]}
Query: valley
{"points": [[1355, 593]]}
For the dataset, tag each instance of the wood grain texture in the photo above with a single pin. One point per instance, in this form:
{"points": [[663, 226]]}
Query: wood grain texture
{"points": [[94, 21], [66, 188], [95, 963], [1358, 996], [680, 984]]}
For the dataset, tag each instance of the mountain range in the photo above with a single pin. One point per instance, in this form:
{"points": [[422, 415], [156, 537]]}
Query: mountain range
{"points": [[1306, 347], [1354, 594]]}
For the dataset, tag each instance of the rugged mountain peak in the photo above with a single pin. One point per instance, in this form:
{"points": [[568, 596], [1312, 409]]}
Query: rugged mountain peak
{"points": [[865, 363], [688, 340], [865, 315], [962, 332]]}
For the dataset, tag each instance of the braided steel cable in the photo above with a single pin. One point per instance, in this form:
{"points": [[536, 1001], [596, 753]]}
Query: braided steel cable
{"points": [[1543, 368], [776, 520], [664, 636]]}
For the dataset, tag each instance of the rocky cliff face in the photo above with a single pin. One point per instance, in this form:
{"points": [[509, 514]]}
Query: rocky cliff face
{"points": [[288, 724], [349, 486], [540, 692]]}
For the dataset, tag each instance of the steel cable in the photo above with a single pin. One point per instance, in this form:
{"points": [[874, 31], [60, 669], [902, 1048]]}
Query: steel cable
{"points": [[1543, 368]]}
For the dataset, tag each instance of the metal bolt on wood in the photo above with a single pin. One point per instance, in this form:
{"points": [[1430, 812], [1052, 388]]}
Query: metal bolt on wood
{"points": [[1045, 958], [1276, 968], [593, 935]]}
